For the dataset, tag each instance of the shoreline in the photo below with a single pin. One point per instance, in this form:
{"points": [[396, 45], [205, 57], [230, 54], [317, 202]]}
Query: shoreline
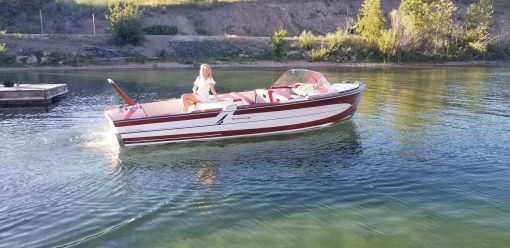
{"points": [[253, 65]]}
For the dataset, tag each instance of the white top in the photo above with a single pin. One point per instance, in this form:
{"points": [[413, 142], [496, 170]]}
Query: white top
{"points": [[204, 86]]}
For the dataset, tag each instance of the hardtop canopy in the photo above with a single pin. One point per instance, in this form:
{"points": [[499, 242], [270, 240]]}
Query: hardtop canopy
{"points": [[302, 77]]}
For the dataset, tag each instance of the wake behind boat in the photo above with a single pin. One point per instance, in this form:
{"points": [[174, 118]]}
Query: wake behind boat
{"points": [[298, 100]]}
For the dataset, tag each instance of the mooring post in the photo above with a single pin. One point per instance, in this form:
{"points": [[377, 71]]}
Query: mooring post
{"points": [[40, 17], [94, 24]]}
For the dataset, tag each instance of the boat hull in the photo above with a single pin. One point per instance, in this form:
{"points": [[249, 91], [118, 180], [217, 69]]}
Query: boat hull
{"points": [[238, 121]]}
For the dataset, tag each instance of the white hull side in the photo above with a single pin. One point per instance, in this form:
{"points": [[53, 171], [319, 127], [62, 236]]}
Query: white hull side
{"points": [[208, 128], [232, 136]]}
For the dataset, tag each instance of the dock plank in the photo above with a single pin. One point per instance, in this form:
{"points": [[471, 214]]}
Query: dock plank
{"points": [[31, 94]]}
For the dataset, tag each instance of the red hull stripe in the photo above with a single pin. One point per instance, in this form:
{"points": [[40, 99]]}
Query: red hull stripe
{"points": [[194, 136], [270, 107]]}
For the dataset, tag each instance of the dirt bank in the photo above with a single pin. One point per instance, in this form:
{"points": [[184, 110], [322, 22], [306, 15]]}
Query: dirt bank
{"points": [[69, 52], [246, 18], [61, 50]]}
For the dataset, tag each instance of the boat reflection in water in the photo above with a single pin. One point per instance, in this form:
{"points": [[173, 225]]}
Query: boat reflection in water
{"points": [[207, 173], [332, 146]]}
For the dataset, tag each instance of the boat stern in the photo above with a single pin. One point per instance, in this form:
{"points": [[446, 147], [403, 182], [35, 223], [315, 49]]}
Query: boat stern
{"points": [[109, 114]]}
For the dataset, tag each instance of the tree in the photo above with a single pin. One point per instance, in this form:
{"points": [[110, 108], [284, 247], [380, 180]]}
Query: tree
{"points": [[125, 23], [370, 21], [478, 20], [279, 42], [432, 22], [405, 37]]}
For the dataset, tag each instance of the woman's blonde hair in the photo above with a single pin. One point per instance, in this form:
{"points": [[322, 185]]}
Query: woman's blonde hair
{"points": [[202, 67]]}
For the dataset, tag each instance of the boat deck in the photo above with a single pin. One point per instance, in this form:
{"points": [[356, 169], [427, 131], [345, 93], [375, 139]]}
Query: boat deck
{"points": [[253, 97]]}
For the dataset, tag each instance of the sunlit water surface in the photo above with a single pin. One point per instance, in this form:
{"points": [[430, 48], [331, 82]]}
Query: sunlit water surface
{"points": [[425, 162]]}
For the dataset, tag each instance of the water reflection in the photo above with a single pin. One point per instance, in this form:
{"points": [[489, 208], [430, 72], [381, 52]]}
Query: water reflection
{"points": [[417, 96], [207, 173], [434, 140], [105, 142], [25, 112], [334, 144], [205, 201]]}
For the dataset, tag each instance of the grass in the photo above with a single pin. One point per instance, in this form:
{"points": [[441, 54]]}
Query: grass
{"points": [[153, 3]]}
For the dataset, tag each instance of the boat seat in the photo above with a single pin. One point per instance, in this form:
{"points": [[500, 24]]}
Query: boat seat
{"points": [[272, 96], [237, 98], [211, 104]]}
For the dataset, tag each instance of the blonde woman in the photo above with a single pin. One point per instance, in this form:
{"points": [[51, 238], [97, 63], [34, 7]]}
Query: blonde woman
{"points": [[203, 84]]}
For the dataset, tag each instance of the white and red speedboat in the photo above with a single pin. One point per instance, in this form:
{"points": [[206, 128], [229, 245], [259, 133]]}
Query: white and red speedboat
{"points": [[299, 100]]}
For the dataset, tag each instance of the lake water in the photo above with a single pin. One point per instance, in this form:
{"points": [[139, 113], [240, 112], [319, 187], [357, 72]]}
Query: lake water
{"points": [[425, 162]]}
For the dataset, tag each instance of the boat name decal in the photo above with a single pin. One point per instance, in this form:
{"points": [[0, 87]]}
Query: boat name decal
{"points": [[241, 118]]}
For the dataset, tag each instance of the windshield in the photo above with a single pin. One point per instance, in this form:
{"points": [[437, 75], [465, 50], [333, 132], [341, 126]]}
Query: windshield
{"points": [[300, 77]]}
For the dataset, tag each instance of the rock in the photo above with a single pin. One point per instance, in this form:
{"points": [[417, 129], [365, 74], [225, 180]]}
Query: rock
{"points": [[32, 59], [21, 60], [197, 49], [294, 53], [101, 52], [28, 51]]}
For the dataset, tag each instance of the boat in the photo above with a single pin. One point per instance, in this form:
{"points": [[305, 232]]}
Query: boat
{"points": [[299, 100]]}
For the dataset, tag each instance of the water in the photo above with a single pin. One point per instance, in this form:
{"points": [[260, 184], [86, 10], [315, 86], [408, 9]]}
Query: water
{"points": [[425, 162]]}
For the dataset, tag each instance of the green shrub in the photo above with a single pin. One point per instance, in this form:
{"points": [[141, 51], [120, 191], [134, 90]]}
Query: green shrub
{"points": [[5, 60], [161, 30], [478, 46], [338, 38], [306, 40], [321, 54], [125, 23], [338, 46], [279, 42], [3, 24], [3, 48], [387, 43]]}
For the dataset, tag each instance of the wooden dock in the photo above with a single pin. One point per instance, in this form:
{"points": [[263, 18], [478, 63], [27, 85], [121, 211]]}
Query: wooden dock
{"points": [[31, 94]]}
